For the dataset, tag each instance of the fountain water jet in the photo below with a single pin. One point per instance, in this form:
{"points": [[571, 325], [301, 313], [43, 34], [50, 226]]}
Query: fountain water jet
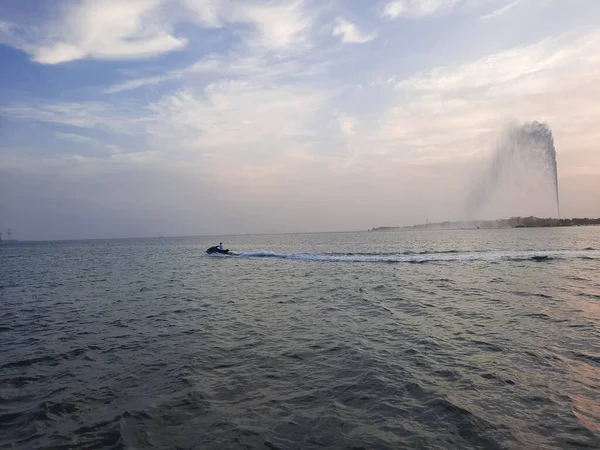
{"points": [[529, 145]]}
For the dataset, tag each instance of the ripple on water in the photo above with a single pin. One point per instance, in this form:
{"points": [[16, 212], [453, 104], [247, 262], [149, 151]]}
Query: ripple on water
{"points": [[140, 344]]}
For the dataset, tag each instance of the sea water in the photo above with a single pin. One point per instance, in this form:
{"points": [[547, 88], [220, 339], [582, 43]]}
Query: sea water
{"points": [[436, 339]]}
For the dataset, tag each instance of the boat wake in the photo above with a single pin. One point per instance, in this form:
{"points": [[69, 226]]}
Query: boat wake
{"points": [[424, 257]]}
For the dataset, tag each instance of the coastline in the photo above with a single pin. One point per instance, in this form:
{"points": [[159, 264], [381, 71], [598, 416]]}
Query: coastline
{"points": [[513, 222]]}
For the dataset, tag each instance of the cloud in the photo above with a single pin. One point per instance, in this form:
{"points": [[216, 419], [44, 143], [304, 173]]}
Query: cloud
{"points": [[395, 9], [75, 138], [549, 56], [275, 25], [256, 65], [500, 11], [137, 29], [5, 28], [434, 116], [233, 118], [348, 125], [206, 13], [350, 34], [88, 142], [251, 117], [449, 110], [279, 26], [416, 8], [141, 82], [119, 118], [105, 29], [7, 33]]}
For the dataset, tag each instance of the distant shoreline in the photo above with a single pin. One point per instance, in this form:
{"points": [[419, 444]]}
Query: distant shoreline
{"points": [[414, 228], [439, 226], [513, 222]]}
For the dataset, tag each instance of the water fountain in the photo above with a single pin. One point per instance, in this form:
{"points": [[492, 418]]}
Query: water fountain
{"points": [[524, 149]]}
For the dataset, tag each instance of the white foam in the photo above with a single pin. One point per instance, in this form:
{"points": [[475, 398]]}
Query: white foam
{"points": [[491, 256]]}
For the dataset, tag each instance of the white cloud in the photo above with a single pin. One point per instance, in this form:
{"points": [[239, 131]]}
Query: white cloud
{"points": [[105, 29], [92, 115], [395, 9], [448, 110], [237, 116], [5, 28], [274, 25], [88, 142], [500, 11], [255, 65], [7, 31], [427, 114], [75, 138], [350, 34], [416, 8], [135, 29], [141, 82], [348, 125], [207, 13], [279, 26], [547, 56]]}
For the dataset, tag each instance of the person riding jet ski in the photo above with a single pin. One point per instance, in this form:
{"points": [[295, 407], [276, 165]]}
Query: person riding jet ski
{"points": [[218, 249]]}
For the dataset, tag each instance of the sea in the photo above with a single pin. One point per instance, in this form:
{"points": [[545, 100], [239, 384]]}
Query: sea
{"points": [[456, 339]]}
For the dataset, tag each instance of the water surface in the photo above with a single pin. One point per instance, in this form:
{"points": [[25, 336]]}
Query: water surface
{"points": [[452, 339]]}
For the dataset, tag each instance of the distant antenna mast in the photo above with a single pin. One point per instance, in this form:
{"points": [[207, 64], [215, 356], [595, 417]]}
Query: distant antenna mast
{"points": [[9, 234]]}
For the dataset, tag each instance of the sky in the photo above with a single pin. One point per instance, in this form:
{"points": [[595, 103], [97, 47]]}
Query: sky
{"points": [[195, 117]]}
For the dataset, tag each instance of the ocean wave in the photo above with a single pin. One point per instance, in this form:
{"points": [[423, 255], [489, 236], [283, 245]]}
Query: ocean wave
{"points": [[423, 257]]}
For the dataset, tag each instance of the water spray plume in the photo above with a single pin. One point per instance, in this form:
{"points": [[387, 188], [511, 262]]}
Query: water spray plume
{"points": [[529, 144]]}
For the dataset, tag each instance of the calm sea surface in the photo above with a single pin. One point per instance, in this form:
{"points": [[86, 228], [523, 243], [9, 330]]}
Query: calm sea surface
{"points": [[467, 339]]}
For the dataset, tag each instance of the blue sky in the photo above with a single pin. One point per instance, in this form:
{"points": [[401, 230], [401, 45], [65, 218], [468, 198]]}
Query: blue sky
{"points": [[178, 117]]}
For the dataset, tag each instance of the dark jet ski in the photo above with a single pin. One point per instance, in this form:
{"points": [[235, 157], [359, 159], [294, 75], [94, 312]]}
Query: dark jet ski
{"points": [[216, 249]]}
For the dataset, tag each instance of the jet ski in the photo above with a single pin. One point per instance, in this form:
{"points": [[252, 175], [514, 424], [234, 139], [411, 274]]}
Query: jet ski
{"points": [[216, 249]]}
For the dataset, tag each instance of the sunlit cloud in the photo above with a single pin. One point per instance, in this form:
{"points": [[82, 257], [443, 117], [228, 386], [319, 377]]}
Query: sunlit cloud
{"points": [[350, 34], [250, 65], [119, 118], [105, 29], [138, 29], [546, 57], [500, 11], [237, 116], [416, 8], [278, 25]]}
